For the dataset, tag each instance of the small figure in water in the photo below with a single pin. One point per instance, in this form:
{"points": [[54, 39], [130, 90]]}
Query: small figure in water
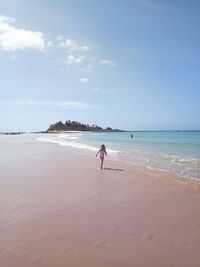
{"points": [[131, 136], [102, 152]]}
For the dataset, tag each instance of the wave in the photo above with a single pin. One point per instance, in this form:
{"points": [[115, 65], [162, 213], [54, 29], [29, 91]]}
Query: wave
{"points": [[178, 159], [74, 144], [181, 165], [70, 135]]}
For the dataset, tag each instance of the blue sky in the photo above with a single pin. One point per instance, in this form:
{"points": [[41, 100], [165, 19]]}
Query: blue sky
{"points": [[129, 64]]}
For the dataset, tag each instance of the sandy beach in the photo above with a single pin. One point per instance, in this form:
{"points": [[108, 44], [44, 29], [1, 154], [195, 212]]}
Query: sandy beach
{"points": [[58, 209]]}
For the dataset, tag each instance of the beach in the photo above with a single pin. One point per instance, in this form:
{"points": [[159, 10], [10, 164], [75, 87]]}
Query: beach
{"points": [[59, 209]]}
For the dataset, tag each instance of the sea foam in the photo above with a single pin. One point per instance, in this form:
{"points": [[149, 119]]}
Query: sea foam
{"points": [[63, 140]]}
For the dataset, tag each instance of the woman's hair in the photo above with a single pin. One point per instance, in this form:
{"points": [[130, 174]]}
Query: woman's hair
{"points": [[103, 146]]}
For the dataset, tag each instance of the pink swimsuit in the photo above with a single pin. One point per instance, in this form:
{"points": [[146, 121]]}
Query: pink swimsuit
{"points": [[102, 153]]}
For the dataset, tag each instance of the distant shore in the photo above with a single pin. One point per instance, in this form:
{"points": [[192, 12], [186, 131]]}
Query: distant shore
{"points": [[61, 131], [54, 132]]}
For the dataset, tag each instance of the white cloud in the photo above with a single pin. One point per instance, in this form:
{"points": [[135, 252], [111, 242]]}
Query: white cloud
{"points": [[84, 80], [5, 20], [96, 89], [12, 38], [108, 62], [65, 104], [85, 48], [71, 59], [73, 45], [77, 60], [49, 44]]}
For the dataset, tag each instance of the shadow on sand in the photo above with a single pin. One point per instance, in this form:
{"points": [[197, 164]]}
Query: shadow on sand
{"points": [[112, 169]]}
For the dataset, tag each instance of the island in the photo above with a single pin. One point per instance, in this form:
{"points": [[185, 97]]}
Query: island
{"points": [[78, 126]]}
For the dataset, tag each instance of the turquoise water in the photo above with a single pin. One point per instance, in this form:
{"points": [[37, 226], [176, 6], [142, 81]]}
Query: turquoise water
{"points": [[173, 152]]}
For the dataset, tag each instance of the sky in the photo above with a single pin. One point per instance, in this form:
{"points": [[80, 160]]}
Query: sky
{"points": [[127, 64]]}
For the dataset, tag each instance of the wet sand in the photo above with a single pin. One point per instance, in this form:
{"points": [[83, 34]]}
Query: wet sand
{"points": [[58, 209]]}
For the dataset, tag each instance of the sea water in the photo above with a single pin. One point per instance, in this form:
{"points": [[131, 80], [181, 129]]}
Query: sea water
{"points": [[175, 152]]}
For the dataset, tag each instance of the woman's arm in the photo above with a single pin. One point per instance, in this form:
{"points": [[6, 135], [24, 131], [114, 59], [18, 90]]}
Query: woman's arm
{"points": [[97, 153]]}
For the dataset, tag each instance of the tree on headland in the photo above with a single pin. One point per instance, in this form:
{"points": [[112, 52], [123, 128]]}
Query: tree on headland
{"points": [[76, 126]]}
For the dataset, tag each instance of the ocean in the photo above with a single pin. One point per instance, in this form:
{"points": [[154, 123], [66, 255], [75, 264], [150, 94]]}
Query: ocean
{"points": [[175, 152]]}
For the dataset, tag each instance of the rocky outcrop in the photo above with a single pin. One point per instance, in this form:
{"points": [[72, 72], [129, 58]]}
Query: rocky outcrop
{"points": [[77, 126], [12, 133]]}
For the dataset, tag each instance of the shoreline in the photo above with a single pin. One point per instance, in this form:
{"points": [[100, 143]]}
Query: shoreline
{"points": [[58, 209], [158, 171], [154, 171]]}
